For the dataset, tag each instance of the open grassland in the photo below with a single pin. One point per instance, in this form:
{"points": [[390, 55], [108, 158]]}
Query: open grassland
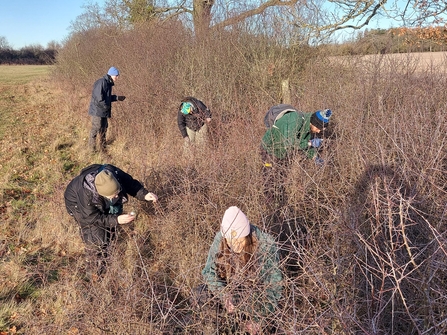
{"points": [[362, 238], [22, 74]]}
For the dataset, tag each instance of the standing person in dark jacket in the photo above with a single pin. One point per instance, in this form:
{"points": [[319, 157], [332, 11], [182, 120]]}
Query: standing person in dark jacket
{"points": [[101, 107], [192, 118], [95, 200]]}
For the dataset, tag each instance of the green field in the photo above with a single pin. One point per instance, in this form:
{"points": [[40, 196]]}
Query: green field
{"points": [[22, 74]]}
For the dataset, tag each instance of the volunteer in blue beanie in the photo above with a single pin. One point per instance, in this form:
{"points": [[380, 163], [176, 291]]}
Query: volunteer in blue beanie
{"points": [[290, 130], [100, 108]]}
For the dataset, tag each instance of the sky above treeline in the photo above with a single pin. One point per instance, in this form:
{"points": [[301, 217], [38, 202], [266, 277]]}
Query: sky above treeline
{"points": [[30, 22], [39, 22]]}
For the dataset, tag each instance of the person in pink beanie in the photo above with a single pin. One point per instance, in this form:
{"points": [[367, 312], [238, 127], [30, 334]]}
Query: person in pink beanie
{"points": [[242, 272]]}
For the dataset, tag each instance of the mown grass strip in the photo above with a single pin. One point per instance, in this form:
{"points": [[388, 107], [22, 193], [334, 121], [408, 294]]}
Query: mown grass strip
{"points": [[22, 74]]}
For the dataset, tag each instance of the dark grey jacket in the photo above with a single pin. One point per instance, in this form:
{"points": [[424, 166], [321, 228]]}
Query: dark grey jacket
{"points": [[102, 98]]}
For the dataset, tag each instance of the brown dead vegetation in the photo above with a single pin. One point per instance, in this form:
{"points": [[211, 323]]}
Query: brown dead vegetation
{"points": [[365, 234]]}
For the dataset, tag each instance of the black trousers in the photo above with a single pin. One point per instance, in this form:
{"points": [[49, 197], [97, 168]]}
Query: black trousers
{"points": [[99, 127]]}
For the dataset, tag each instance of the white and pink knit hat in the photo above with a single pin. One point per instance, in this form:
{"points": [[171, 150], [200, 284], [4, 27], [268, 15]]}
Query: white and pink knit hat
{"points": [[234, 223]]}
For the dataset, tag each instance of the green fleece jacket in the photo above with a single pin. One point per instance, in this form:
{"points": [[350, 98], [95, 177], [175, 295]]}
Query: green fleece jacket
{"points": [[259, 296], [290, 132]]}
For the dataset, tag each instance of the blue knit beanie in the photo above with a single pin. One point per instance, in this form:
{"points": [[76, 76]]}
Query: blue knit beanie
{"points": [[113, 71], [320, 119]]}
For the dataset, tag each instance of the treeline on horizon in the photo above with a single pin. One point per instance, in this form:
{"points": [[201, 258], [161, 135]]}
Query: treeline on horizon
{"points": [[394, 40], [29, 55]]}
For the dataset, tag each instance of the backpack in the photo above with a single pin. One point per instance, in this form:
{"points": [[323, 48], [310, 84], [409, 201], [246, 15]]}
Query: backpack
{"points": [[276, 112]]}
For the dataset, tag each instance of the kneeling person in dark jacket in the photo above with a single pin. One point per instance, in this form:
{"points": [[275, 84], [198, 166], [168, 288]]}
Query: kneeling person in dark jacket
{"points": [[95, 200]]}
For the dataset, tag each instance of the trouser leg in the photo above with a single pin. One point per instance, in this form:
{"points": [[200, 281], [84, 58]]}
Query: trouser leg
{"points": [[97, 247], [99, 127], [202, 135], [274, 172], [102, 133], [192, 135], [188, 147]]}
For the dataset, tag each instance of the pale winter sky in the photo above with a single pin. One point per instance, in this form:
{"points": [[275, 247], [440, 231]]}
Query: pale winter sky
{"points": [[30, 22]]}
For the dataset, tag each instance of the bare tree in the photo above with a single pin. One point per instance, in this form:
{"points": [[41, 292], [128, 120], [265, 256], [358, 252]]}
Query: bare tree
{"points": [[4, 43], [316, 17], [112, 14], [53, 45]]}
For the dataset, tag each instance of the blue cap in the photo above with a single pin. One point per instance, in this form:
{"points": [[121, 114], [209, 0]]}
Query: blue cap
{"points": [[113, 71]]}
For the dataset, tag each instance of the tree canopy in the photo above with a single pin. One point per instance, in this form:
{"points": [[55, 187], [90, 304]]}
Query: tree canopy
{"points": [[311, 19]]}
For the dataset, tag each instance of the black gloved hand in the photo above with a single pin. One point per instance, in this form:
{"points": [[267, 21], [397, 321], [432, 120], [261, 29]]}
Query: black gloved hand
{"points": [[121, 97]]}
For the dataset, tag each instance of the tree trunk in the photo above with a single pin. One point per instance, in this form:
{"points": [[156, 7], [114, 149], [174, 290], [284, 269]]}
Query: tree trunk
{"points": [[202, 17], [285, 92]]}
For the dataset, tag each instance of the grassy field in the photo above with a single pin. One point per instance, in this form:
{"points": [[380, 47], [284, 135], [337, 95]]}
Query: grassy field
{"points": [[22, 74], [31, 163], [12, 79]]}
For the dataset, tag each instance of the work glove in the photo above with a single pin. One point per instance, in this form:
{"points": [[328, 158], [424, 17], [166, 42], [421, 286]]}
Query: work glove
{"points": [[316, 142], [121, 97], [151, 197], [319, 161]]}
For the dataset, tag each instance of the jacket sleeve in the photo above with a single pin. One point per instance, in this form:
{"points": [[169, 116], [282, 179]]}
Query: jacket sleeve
{"points": [[215, 284], [86, 213], [181, 121], [208, 113], [303, 142], [130, 185], [265, 296], [204, 110]]}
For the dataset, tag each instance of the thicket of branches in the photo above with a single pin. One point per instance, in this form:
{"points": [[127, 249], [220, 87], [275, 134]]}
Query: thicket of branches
{"points": [[363, 237]]}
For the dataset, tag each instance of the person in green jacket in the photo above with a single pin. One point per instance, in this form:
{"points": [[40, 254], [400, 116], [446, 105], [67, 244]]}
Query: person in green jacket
{"points": [[289, 131], [292, 130], [242, 271]]}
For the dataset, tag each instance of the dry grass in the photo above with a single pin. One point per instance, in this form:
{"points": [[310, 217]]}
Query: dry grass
{"points": [[363, 238]]}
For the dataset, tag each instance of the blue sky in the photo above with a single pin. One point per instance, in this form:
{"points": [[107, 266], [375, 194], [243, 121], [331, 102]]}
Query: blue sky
{"points": [[30, 22]]}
